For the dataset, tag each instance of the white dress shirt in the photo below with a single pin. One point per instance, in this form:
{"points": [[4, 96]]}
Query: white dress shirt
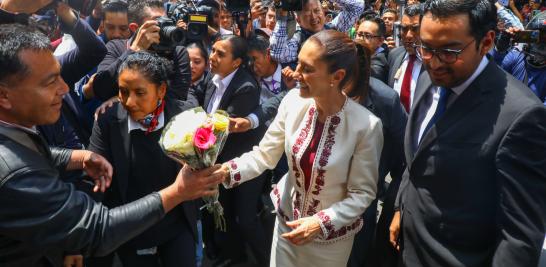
{"points": [[399, 76], [221, 86], [135, 125], [457, 91]]}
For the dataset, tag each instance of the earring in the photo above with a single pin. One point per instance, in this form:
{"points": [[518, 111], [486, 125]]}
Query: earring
{"points": [[331, 85]]}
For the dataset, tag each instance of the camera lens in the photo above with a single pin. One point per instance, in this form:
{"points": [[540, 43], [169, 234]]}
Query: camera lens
{"points": [[173, 33]]}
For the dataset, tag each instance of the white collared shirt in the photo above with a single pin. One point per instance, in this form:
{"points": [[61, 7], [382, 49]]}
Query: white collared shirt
{"points": [[457, 90], [221, 86], [266, 84], [399, 76], [135, 125]]}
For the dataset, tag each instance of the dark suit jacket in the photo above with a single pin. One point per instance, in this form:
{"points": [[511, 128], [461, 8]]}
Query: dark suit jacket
{"points": [[475, 191], [379, 66], [241, 97], [111, 139], [384, 103]]}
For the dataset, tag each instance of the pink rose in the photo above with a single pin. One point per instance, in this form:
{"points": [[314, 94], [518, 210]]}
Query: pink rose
{"points": [[204, 138]]}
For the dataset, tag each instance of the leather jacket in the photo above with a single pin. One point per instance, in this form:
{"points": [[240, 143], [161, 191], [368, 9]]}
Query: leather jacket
{"points": [[41, 216]]}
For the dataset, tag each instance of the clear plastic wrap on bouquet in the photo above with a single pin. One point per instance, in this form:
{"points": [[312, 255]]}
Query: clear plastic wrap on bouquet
{"points": [[196, 138]]}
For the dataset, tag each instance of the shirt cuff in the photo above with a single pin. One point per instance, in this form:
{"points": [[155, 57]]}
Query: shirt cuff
{"points": [[254, 122]]}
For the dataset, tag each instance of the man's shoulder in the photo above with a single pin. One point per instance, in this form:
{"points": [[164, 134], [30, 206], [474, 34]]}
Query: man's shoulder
{"points": [[15, 157], [117, 46]]}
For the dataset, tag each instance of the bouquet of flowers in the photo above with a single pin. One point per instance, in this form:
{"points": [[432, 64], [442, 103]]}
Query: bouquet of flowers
{"points": [[196, 138]]}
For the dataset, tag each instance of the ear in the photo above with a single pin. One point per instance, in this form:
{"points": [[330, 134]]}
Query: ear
{"points": [[238, 62], [133, 27], [5, 103], [338, 75], [162, 90], [487, 43]]}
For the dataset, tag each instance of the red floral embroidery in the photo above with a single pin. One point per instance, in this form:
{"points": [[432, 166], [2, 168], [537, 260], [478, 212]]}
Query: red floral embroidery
{"points": [[235, 174], [331, 233], [325, 154], [279, 210], [304, 132], [296, 171], [312, 210], [233, 165]]}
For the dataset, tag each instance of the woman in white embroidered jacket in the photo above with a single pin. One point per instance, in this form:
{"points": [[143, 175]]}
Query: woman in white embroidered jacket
{"points": [[333, 146]]}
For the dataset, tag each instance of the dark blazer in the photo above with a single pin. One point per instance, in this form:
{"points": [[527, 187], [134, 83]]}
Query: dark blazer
{"points": [[241, 97], [474, 193], [111, 139], [395, 59], [379, 66]]}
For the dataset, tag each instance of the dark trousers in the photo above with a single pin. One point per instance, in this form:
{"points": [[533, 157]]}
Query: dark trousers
{"points": [[362, 251], [241, 205], [179, 251]]}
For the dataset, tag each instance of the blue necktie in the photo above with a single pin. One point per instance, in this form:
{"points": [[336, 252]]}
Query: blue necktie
{"points": [[440, 108]]}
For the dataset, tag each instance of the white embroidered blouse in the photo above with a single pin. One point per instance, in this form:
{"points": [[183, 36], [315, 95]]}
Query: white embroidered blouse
{"points": [[344, 174]]}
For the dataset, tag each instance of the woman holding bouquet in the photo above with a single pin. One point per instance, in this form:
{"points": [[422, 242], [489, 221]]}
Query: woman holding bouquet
{"points": [[127, 134], [333, 146], [231, 87]]}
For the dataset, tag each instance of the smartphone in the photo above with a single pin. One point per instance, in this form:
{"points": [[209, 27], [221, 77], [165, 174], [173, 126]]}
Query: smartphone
{"points": [[396, 33]]}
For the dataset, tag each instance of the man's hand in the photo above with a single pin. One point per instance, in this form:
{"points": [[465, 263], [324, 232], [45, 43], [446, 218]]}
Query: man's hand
{"points": [[23, 6], [389, 41], [289, 77], [106, 105], [304, 230], [257, 10], [394, 230], [182, 25], [73, 261], [239, 125], [88, 92], [147, 35], [66, 14], [190, 185], [99, 169]]}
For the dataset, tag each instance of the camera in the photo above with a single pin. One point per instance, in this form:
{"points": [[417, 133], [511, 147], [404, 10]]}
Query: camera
{"points": [[85, 7], [195, 17], [290, 5], [169, 36]]}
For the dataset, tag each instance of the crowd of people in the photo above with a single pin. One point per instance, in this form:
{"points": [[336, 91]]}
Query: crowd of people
{"points": [[362, 133]]}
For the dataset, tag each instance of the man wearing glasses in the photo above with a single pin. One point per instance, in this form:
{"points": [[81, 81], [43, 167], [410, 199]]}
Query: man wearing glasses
{"points": [[474, 187], [371, 31], [404, 65]]}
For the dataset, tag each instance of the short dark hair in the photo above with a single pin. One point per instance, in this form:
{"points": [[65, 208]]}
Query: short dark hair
{"points": [[115, 6], [390, 10], [15, 38], [413, 10], [154, 68], [137, 9], [482, 14], [381, 28], [258, 43]]}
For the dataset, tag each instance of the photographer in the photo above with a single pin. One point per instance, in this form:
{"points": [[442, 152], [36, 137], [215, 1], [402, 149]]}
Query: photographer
{"points": [[142, 22], [529, 64], [311, 20]]}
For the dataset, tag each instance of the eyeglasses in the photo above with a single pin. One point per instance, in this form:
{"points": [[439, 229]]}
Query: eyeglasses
{"points": [[368, 36], [413, 28], [446, 55]]}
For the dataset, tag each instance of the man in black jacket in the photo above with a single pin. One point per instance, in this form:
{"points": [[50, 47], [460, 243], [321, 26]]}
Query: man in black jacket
{"points": [[41, 216]]}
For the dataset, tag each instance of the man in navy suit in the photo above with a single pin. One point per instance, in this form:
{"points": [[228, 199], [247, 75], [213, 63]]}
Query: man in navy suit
{"points": [[473, 191]]}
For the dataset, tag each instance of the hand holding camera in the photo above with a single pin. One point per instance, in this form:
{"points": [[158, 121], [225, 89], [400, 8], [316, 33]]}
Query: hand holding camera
{"points": [[147, 35]]}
